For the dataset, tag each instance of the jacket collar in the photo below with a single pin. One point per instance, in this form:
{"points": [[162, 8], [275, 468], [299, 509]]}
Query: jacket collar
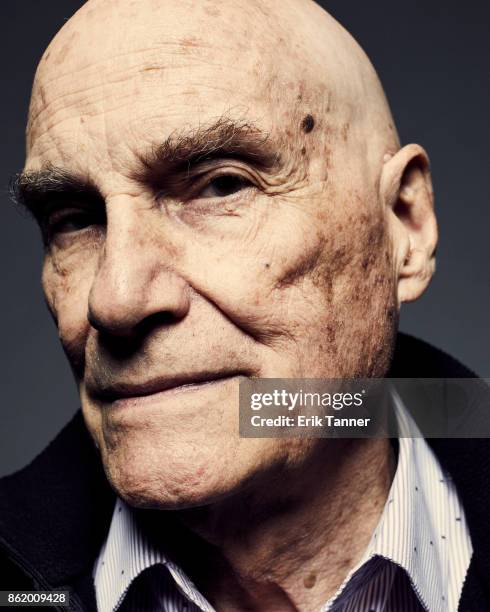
{"points": [[55, 512]]}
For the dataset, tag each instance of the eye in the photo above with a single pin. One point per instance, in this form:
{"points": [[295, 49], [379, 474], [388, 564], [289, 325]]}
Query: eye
{"points": [[223, 186], [68, 221]]}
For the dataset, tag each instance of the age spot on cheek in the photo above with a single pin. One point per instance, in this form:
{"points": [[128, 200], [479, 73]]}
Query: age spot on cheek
{"points": [[309, 581], [307, 123]]}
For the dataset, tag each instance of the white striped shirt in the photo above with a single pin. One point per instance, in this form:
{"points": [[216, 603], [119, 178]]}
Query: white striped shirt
{"points": [[417, 558]]}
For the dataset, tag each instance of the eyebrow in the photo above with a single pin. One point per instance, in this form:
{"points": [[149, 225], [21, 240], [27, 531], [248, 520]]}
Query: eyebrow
{"points": [[225, 138], [178, 153], [34, 189]]}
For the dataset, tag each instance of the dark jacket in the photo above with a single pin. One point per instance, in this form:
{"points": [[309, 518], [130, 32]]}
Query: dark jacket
{"points": [[55, 513]]}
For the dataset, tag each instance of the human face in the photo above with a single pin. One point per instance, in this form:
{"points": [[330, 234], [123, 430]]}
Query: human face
{"points": [[207, 215]]}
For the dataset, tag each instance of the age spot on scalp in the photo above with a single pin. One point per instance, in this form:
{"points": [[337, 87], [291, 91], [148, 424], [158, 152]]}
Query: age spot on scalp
{"points": [[212, 11], [307, 123]]}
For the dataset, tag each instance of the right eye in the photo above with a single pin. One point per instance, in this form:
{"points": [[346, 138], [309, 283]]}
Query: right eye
{"points": [[63, 224], [69, 221]]}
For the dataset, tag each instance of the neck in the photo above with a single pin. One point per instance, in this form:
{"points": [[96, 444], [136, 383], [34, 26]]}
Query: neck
{"points": [[288, 541]]}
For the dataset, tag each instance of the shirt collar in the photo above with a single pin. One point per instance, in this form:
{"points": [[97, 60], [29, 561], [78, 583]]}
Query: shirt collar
{"points": [[421, 526], [125, 554]]}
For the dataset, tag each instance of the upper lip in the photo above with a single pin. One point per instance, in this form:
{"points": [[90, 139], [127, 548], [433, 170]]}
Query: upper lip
{"points": [[125, 389]]}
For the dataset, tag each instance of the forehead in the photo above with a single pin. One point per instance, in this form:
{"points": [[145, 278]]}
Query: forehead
{"points": [[124, 74]]}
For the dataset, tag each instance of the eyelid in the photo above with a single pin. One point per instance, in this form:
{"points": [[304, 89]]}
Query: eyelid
{"points": [[59, 212], [203, 176], [55, 215]]}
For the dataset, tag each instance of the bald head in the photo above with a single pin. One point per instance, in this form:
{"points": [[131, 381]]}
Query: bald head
{"points": [[222, 194], [273, 61]]}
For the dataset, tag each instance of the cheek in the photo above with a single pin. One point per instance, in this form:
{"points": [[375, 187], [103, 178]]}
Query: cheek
{"points": [[249, 272], [362, 302], [336, 296], [66, 289]]}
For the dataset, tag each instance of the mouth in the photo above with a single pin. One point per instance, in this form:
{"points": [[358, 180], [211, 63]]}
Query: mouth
{"points": [[124, 390]]}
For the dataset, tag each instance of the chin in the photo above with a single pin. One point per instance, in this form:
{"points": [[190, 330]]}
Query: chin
{"points": [[172, 476], [169, 488]]}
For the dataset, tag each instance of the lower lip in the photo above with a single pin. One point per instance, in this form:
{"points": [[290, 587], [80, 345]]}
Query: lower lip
{"points": [[182, 390]]}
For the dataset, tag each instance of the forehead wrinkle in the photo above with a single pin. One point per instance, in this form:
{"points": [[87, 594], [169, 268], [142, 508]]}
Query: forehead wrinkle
{"points": [[152, 58], [153, 117], [44, 94]]}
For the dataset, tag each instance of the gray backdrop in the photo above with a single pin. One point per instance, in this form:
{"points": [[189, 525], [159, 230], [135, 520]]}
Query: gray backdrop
{"points": [[433, 57]]}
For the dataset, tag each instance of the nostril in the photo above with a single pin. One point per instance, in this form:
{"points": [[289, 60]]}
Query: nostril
{"points": [[113, 321], [158, 319], [122, 344], [127, 324], [119, 347]]}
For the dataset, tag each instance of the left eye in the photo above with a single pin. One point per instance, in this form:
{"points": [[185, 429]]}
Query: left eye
{"points": [[223, 186]]}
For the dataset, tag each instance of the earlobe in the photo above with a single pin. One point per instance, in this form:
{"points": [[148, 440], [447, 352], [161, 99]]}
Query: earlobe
{"points": [[406, 189]]}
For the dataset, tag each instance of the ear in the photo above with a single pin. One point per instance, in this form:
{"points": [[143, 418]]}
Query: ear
{"points": [[406, 188]]}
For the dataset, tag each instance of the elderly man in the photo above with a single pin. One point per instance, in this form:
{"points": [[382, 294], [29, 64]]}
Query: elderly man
{"points": [[222, 194]]}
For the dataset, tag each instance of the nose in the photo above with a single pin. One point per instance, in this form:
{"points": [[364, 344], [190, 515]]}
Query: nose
{"points": [[135, 282]]}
